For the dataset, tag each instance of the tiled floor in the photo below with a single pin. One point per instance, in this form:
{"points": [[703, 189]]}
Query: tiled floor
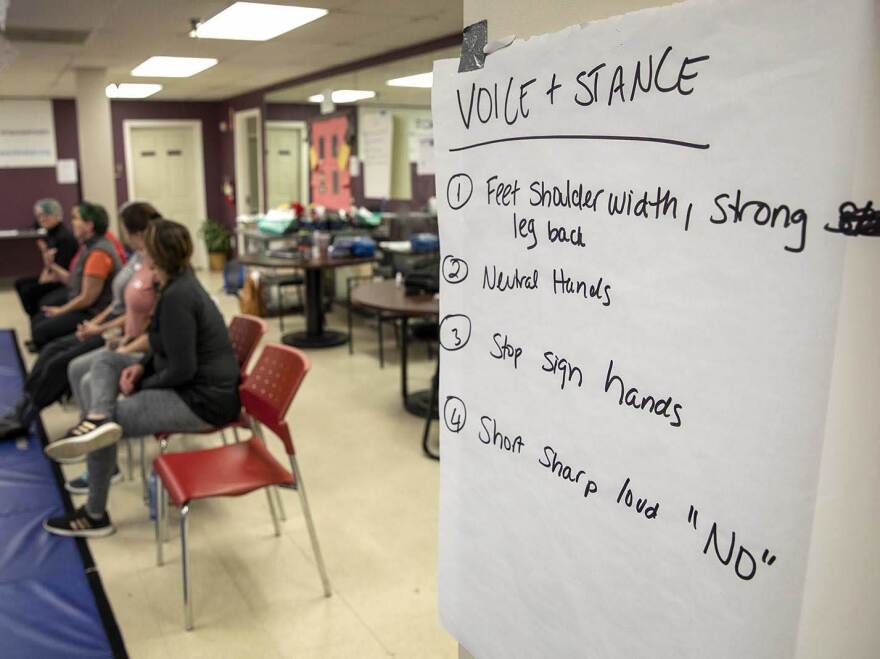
{"points": [[374, 498]]}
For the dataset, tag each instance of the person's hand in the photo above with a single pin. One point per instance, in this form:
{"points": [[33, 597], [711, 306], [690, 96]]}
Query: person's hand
{"points": [[51, 311], [87, 329], [49, 257], [129, 378], [47, 277]]}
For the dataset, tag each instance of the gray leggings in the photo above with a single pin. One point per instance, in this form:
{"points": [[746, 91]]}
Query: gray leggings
{"points": [[145, 413]]}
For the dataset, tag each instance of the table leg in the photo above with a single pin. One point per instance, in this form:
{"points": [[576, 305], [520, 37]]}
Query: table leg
{"points": [[404, 326], [315, 335]]}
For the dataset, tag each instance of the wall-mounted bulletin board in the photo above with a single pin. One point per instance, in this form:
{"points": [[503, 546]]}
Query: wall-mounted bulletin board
{"points": [[329, 152], [643, 222]]}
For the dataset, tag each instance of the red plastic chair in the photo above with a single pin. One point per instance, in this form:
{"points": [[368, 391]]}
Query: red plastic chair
{"points": [[245, 333], [240, 468]]}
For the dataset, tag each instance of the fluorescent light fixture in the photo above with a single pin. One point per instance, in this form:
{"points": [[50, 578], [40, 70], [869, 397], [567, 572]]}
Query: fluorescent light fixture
{"points": [[423, 80], [256, 21], [161, 66], [344, 96], [131, 90]]}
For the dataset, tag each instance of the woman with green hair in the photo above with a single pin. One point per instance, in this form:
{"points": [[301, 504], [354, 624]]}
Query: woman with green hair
{"points": [[87, 282]]}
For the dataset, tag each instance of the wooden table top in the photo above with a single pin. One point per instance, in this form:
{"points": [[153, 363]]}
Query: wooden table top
{"points": [[388, 296], [308, 263]]}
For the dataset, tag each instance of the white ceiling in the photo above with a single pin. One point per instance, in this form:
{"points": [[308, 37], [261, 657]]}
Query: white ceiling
{"points": [[125, 32]]}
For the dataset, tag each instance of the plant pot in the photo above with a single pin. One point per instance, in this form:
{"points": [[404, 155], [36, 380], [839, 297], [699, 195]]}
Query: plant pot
{"points": [[216, 261]]}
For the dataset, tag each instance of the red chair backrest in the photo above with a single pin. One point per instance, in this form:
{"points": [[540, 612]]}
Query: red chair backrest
{"points": [[245, 333], [269, 389]]}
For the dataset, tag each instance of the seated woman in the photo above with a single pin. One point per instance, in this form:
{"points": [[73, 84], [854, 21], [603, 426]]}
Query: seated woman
{"points": [[133, 301], [59, 246], [88, 282], [187, 381]]}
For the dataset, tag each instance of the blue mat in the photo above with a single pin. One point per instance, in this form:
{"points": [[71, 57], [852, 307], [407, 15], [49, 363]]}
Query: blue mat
{"points": [[52, 603]]}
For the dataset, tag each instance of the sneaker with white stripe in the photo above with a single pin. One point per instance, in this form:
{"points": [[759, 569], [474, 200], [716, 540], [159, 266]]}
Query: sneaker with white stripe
{"points": [[87, 436], [79, 524]]}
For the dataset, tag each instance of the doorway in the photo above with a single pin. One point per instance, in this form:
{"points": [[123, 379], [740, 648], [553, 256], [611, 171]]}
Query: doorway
{"points": [[165, 166], [287, 155], [248, 162]]}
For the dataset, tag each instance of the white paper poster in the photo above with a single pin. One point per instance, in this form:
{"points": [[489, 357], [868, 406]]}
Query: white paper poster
{"points": [[643, 222], [27, 134], [65, 171], [377, 129], [420, 128], [425, 163]]}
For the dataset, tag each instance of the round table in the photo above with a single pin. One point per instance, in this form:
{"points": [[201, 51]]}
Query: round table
{"points": [[315, 335], [387, 296]]}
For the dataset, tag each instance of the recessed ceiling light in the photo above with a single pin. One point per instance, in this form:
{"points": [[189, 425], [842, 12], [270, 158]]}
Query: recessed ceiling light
{"points": [[256, 21], [131, 90], [423, 80], [344, 96], [161, 66]]}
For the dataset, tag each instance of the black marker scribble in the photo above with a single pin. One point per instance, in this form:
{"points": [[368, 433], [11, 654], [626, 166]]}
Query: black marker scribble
{"points": [[855, 221], [622, 138]]}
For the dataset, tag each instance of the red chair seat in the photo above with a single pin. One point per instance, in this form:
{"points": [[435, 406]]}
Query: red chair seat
{"points": [[228, 471]]}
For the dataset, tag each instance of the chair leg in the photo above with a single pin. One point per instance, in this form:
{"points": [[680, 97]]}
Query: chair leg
{"points": [[184, 561], [235, 434], [278, 502], [130, 459], [160, 521], [350, 341], [223, 437], [313, 536], [144, 483], [271, 500]]}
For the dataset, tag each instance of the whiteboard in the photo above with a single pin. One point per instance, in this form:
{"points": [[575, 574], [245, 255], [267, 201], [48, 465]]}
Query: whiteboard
{"points": [[588, 506], [27, 134]]}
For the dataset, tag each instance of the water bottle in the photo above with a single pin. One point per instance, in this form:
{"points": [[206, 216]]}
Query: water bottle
{"points": [[151, 494]]}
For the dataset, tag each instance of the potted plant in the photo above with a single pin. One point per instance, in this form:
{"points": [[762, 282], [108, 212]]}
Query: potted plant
{"points": [[218, 240]]}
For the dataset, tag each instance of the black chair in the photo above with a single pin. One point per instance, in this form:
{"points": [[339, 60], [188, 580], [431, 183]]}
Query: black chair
{"points": [[433, 413], [381, 318], [280, 282]]}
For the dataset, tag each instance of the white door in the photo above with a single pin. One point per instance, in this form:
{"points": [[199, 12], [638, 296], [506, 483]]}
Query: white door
{"points": [[284, 166], [165, 173]]}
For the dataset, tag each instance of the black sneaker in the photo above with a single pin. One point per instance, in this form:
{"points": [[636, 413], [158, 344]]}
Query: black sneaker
{"points": [[79, 524], [87, 436], [80, 484]]}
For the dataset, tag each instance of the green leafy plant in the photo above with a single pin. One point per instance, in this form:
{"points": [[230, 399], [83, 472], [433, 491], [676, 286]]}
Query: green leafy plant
{"points": [[217, 236]]}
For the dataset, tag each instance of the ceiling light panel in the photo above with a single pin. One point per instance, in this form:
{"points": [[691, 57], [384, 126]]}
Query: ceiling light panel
{"points": [[421, 80], [131, 90], [344, 96], [162, 66], [256, 21]]}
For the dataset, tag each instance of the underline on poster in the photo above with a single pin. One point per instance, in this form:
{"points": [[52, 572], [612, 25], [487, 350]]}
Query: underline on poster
{"points": [[619, 138]]}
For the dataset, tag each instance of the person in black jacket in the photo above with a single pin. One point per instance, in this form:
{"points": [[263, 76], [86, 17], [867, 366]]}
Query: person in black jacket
{"points": [[187, 381], [59, 246]]}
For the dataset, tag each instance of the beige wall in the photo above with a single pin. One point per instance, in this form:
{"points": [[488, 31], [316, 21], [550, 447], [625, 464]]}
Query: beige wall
{"points": [[95, 133], [841, 606]]}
